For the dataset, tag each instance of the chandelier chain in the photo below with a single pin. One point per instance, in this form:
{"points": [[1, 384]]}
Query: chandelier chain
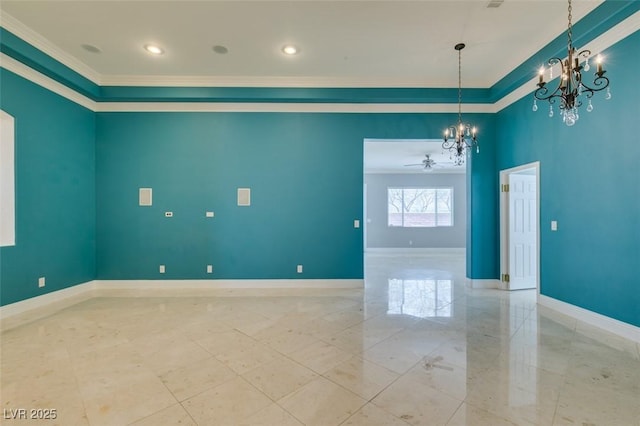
{"points": [[569, 29], [460, 86]]}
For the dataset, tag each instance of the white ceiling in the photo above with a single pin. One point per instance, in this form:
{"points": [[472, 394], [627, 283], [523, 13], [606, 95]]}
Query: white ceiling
{"points": [[391, 43], [392, 156], [343, 43]]}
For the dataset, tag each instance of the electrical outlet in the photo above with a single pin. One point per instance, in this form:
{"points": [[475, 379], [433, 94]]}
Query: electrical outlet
{"points": [[162, 269], [356, 223], [209, 214], [554, 225], [299, 269], [41, 282], [209, 269], [168, 214]]}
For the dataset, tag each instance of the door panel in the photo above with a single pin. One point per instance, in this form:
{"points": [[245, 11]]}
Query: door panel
{"points": [[522, 231]]}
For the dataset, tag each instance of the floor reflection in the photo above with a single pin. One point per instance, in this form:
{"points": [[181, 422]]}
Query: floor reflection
{"points": [[420, 298], [416, 346]]}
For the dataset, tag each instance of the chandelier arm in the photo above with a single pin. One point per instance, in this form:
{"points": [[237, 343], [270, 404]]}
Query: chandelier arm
{"points": [[599, 83]]}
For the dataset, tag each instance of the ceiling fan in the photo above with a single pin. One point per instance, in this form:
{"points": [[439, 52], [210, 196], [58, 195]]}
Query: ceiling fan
{"points": [[427, 164]]}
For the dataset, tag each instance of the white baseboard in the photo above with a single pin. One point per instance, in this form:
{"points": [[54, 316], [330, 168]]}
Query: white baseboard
{"points": [[108, 285], [603, 322], [47, 304], [415, 251], [473, 283]]}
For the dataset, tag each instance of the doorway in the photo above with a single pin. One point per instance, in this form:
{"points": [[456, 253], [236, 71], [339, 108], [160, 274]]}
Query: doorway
{"points": [[519, 227]]}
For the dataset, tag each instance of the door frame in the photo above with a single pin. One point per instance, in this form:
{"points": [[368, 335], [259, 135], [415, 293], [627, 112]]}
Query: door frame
{"points": [[504, 222]]}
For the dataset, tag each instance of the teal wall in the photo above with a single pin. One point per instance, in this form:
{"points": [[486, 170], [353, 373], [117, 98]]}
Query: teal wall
{"points": [[304, 170], [55, 192], [78, 175], [590, 184]]}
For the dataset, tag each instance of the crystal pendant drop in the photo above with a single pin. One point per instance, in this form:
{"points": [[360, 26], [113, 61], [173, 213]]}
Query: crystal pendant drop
{"points": [[550, 110], [570, 117], [608, 95], [586, 65], [535, 106], [590, 106]]}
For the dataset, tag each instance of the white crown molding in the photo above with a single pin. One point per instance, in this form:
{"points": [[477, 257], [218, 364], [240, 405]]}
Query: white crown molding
{"points": [[603, 322], [38, 41], [604, 41], [40, 79], [286, 107], [273, 81], [612, 36]]}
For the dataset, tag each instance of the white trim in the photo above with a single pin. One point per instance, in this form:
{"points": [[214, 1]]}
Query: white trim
{"points": [[10, 64], [7, 180], [604, 41], [287, 107], [611, 325], [46, 304], [273, 81], [146, 285], [41, 43], [40, 306], [420, 251], [484, 284]]}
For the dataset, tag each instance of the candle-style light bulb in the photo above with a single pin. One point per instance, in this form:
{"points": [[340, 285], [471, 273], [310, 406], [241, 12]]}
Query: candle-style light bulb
{"points": [[599, 64], [541, 75]]}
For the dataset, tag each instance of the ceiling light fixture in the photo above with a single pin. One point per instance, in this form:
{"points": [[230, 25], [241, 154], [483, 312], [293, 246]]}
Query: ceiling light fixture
{"points": [[222, 50], [290, 49], [153, 49], [91, 48], [460, 138], [570, 85]]}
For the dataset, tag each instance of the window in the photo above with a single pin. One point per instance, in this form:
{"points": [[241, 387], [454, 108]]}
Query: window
{"points": [[7, 189], [420, 207]]}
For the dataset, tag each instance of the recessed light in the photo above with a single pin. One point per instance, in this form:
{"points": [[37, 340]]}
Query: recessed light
{"points": [[290, 49], [153, 49], [220, 49], [91, 48]]}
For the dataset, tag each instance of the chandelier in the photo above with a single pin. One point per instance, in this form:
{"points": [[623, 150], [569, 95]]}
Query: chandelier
{"points": [[571, 88], [460, 137]]}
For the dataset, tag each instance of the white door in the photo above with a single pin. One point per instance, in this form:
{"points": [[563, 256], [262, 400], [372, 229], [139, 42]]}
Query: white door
{"points": [[522, 231]]}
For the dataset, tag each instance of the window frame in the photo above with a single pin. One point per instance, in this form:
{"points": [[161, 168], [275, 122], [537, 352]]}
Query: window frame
{"points": [[402, 209]]}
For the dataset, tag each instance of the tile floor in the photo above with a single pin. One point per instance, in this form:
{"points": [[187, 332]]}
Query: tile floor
{"points": [[416, 346]]}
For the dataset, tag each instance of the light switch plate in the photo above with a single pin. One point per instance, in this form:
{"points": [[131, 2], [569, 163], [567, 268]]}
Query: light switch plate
{"points": [[161, 269], [209, 214], [41, 282], [299, 269], [209, 269], [356, 223], [554, 225]]}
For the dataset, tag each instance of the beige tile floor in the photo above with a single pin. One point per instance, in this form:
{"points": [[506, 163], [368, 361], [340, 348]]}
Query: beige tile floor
{"points": [[416, 346]]}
